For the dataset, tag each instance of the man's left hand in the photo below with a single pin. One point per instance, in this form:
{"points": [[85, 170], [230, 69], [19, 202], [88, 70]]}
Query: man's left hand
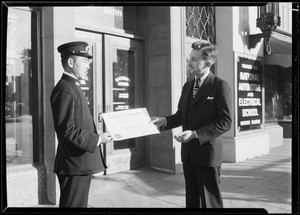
{"points": [[185, 136]]}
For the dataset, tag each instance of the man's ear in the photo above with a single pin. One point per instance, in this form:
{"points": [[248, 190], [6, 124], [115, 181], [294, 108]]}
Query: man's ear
{"points": [[207, 64], [70, 62]]}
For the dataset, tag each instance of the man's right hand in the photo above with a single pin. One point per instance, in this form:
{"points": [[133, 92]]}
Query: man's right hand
{"points": [[104, 138], [159, 121]]}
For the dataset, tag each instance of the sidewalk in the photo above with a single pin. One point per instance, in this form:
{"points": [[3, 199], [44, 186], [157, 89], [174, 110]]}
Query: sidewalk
{"points": [[262, 182]]}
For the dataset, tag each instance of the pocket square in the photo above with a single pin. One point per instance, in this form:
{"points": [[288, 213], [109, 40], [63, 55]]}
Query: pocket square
{"points": [[210, 97]]}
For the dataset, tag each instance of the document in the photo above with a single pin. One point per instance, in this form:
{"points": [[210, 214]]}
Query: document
{"points": [[129, 124]]}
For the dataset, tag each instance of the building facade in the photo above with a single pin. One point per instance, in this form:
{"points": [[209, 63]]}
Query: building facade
{"points": [[140, 56]]}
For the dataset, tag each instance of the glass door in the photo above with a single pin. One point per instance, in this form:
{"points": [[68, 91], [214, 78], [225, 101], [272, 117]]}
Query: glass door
{"points": [[114, 84], [123, 91], [93, 86]]}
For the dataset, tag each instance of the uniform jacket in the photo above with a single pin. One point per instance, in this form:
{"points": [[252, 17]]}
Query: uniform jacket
{"points": [[77, 151], [209, 114]]}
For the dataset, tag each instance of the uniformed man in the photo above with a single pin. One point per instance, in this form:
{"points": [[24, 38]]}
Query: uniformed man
{"points": [[78, 153]]}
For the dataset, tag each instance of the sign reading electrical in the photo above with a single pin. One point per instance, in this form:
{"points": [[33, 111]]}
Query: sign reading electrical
{"points": [[249, 92]]}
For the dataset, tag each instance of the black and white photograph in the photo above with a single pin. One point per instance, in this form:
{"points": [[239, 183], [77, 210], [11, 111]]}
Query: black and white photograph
{"points": [[157, 107]]}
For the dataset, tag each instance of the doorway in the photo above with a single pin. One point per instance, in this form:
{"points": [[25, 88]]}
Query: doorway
{"points": [[114, 84]]}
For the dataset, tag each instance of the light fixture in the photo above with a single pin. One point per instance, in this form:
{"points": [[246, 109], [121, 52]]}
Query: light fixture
{"points": [[268, 20]]}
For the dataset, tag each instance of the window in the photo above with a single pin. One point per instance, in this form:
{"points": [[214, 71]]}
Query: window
{"points": [[200, 23], [21, 86], [278, 95], [123, 88]]}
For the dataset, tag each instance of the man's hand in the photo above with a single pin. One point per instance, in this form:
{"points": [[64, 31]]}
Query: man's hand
{"points": [[104, 138], [159, 121], [185, 136]]}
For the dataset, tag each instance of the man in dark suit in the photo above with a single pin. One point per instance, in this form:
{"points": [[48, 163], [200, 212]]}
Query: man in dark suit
{"points": [[204, 112], [78, 153]]}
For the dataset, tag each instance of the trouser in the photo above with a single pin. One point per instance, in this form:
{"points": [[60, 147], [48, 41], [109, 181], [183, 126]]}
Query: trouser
{"points": [[202, 186], [74, 190]]}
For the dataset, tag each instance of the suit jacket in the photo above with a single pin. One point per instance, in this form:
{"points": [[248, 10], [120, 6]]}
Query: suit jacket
{"points": [[209, 114], [77, 151]]}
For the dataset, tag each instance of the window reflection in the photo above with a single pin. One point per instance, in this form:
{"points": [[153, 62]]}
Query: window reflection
{"points": [[87, 85], [278, 95], [123, 88], [123, 80], [18, 116]]}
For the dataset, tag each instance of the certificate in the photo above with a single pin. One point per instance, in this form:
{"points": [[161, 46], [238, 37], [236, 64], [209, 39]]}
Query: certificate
{"points": [[129, 124]]}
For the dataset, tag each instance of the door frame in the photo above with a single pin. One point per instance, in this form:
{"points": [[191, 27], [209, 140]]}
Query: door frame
{"points": [[103, 92], [132, 157], [96, 41]]}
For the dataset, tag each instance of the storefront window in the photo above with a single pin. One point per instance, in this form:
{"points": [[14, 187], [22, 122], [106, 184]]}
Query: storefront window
{"points": [[18, 99], [278, 94]]}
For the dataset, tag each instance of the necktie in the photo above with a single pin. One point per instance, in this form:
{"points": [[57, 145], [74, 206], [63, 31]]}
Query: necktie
{"points": [[196, 87]]}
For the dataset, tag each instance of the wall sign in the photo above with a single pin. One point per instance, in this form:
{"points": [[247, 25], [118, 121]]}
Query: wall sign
{"points": [[249, 93]]}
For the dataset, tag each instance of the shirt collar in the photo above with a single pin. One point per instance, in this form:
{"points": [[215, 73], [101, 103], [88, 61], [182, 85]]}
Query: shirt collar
{"points": [[71, 75], [203, 77]]}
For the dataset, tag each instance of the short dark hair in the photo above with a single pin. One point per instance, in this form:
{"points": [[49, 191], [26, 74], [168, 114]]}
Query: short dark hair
{"points": [[64, 60], [209, 50]]}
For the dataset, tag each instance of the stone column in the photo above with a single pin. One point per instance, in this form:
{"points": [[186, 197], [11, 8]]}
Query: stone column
{"points": [[57, 28], [232, 28], [165, 53]]}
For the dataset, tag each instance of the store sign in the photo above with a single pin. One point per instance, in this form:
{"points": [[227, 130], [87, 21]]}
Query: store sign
{"points": [[121, 93], [249, 94]]}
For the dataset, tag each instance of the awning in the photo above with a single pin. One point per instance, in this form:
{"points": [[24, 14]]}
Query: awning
{"points": [[281, 44]]}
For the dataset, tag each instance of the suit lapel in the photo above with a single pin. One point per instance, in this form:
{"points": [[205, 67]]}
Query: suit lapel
{"points": [[205, 87], [186, 98]]}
